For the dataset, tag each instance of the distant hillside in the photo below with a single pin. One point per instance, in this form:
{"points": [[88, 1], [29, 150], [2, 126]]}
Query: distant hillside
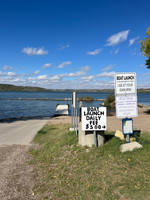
{"points": [[8, 87]]}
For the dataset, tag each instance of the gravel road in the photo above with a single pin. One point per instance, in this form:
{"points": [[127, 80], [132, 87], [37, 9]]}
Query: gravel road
{"points": [[16, 179]]}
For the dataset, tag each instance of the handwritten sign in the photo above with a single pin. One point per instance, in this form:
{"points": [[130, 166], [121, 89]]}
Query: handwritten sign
{"points": [[93, 118]]}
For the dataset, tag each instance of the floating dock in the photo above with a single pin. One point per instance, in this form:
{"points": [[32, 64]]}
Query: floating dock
{"points": [[62, 110]]}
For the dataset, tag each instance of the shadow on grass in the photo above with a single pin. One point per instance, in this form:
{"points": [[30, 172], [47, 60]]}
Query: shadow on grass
{"points": [[137, 133], [108, 137]]}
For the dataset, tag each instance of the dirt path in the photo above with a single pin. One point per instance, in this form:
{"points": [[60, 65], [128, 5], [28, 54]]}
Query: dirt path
{"points": [[16, 181]]}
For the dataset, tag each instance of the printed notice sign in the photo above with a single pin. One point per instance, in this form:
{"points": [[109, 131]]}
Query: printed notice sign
{"points": [[93, 118], [126, 106], [125, 83], [127, 126]]}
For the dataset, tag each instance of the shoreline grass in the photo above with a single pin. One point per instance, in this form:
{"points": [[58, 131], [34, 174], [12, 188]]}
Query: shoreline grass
{"points": [[69, 171]]}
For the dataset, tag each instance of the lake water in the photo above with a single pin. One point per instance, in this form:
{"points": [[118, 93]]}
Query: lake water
{"points": [[34, 108]]}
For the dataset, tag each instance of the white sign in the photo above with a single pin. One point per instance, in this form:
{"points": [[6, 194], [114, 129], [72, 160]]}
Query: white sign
{"points": [[126, 106], [93, 118], [125, 83], [74, 99]]}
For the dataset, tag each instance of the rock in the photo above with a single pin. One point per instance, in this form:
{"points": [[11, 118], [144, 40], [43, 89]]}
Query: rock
{"points": [[72, 129], [140, 105], [119, 134], [130, 146], [132, 139]]}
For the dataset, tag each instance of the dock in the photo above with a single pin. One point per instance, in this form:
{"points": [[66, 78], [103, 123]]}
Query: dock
{"points": [[62, 110]]}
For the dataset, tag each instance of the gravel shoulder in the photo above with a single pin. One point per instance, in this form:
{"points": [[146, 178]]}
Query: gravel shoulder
{"points": [[16, 179]]}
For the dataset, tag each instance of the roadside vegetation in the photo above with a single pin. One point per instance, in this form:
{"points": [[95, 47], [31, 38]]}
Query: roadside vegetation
{"points": [[65, 170], [87, 98], [110, 101]]}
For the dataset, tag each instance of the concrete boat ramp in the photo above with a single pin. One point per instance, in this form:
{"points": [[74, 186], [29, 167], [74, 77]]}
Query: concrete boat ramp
{"points": [[62, 110], [20, 132]]}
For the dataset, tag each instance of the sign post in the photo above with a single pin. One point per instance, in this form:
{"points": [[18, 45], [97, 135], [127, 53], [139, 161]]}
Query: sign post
{"points": [[126, 100], [74, 120]]}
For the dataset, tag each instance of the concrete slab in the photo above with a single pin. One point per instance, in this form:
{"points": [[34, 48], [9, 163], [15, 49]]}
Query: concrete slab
{"points": [[20, 132], [130, 146], [62, 110], [87, 137]]}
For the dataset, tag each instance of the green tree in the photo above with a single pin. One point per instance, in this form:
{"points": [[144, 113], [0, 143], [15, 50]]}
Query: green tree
{"points": [[145, 47]]}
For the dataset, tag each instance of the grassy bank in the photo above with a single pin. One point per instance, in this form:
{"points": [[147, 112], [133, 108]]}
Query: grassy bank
{"points": [[64, 170]]}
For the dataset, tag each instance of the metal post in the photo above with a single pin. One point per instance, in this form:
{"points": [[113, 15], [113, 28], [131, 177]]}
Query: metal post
{"points": [[95, 139], [74, 117], [80, 107], [76, 122], [128, 138]]}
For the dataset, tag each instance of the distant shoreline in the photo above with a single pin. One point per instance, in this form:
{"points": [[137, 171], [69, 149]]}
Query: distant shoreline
{"points": [[14, 88]]}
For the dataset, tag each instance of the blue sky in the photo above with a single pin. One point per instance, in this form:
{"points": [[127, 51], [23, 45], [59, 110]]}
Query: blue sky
{"points": [[72, 44]]}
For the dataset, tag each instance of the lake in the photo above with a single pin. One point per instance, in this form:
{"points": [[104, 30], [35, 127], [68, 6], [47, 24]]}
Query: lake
{"points": [[34, 108]]}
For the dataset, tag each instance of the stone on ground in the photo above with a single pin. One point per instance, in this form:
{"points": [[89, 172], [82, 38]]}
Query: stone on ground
{"points": [[130, 146], [119, 134]]}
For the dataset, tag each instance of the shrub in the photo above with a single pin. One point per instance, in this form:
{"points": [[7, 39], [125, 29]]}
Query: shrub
{"points": [[87, 98], [110, 101]]}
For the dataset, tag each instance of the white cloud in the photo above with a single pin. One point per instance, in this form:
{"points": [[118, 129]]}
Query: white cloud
{"points": [[34, 51], [42, 77], [116, 51], [62, 47], [36, 72], [55, 78], [105, 85], [7, 67], [108, 68], [64, 64], [74, 74], [88, 78], [131, 41], [95, 52], [46, 65], [11, 74], [77, 74], [85, 68], [117, 38], [106, 74]]}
